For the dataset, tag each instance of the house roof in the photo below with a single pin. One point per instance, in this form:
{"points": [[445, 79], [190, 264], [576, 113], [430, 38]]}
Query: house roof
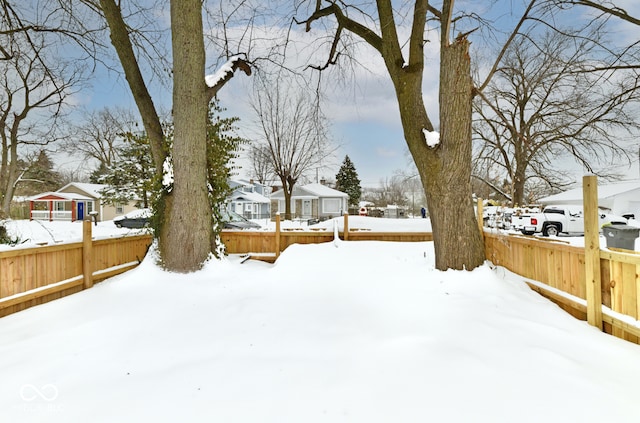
{"points": [[92, 190], [58, 196], [605, 192], [324, 191], [249, 196], [311, 191]]}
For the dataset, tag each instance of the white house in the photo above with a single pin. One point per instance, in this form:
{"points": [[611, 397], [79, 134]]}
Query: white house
{"points": [[249, 199], [621, 198], [312, 201]]}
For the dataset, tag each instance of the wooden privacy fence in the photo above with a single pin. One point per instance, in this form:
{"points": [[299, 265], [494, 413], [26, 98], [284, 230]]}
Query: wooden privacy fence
{"points": [[600, 286], [582, 281], [32, 276], [267, 246], [557, 271]]}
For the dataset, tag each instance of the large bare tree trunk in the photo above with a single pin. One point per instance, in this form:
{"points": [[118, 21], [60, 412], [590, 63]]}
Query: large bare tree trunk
{"points": [[457, 240], [186, 239], [445, 169]]}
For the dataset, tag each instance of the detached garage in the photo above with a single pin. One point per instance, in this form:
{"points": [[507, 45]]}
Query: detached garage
{"points": [[621, 198]]}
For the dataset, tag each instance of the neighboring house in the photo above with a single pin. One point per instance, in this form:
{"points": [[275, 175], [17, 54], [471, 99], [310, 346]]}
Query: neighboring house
{"points": [[249, 199], [75, 201], [312, 201], [621, 198]]}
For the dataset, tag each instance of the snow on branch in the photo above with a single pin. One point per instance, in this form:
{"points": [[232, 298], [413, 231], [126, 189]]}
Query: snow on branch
{"points": [[217, 80]]}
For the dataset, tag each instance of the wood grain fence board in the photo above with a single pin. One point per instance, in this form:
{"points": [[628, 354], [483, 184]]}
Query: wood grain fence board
{"points": [[616, 293], [580, 274], [629, 295], [38, 269]]}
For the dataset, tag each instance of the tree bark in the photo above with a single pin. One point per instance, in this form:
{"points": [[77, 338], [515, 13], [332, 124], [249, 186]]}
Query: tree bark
{"points": [[122, 44], [445, 170], [457, 240], [186, 239]]}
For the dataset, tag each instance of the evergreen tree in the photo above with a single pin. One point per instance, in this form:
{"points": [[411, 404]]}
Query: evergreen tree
{"points": [[38, 176], [99, 173], [223, 145], [131, 177], [348, 182]]}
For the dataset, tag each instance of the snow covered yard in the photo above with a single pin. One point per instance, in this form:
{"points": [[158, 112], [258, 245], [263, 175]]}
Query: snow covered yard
{"points": [[342, 331]]}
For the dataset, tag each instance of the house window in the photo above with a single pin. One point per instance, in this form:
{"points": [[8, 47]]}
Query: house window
{"points": [[119, 208], [89, 206], [331, 205], [58, 205]]}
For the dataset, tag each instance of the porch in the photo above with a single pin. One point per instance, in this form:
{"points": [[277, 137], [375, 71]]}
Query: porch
{"points": [[60, 206]]}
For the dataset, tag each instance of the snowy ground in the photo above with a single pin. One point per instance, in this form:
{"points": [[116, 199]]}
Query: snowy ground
{"points": [[335, 332]]}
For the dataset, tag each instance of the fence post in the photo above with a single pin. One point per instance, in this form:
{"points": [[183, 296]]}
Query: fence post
{"points": [[87, 253], [592, 250], [346, 227], [277, 234]]}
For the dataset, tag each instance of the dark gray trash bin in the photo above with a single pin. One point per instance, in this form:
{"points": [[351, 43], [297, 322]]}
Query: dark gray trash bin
{"points": [[621, 236]]}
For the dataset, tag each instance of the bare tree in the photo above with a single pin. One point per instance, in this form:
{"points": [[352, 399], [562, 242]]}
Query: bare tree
{"points": [[260, 163], [546, 104], [99, 137], [398, 32], [294, 134], [613, 8], [392, 191], [33, 93], [445, 167]]}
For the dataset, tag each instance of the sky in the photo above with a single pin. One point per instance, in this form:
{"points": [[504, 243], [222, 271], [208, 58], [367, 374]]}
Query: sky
{"points": [[365, 122], [358, 332]]}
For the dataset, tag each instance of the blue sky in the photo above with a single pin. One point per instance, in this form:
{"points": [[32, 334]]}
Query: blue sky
{"points": [[363, 111]]}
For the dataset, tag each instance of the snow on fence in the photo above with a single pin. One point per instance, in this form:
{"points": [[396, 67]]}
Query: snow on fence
{"points": [[32, 276]]}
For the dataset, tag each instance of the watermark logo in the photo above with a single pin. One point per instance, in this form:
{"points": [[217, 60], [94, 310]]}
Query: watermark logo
{"points": [[30, 393]]}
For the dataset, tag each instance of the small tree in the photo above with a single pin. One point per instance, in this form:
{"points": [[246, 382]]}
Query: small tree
{"points": [[348, 182], [131, 176], [294, 133]]}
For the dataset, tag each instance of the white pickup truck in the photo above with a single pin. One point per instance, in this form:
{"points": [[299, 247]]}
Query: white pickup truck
{"points": [[555, 220]]}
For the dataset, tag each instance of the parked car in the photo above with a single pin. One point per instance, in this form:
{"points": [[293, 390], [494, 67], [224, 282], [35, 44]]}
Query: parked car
{"points": [[135, 219], [555, 220], [233, 220], [140, 219]]}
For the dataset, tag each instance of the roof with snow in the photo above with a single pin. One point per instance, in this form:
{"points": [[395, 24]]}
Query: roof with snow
{"points": [[91, 189], [311, 191], [254, 197], [605, 191]]}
